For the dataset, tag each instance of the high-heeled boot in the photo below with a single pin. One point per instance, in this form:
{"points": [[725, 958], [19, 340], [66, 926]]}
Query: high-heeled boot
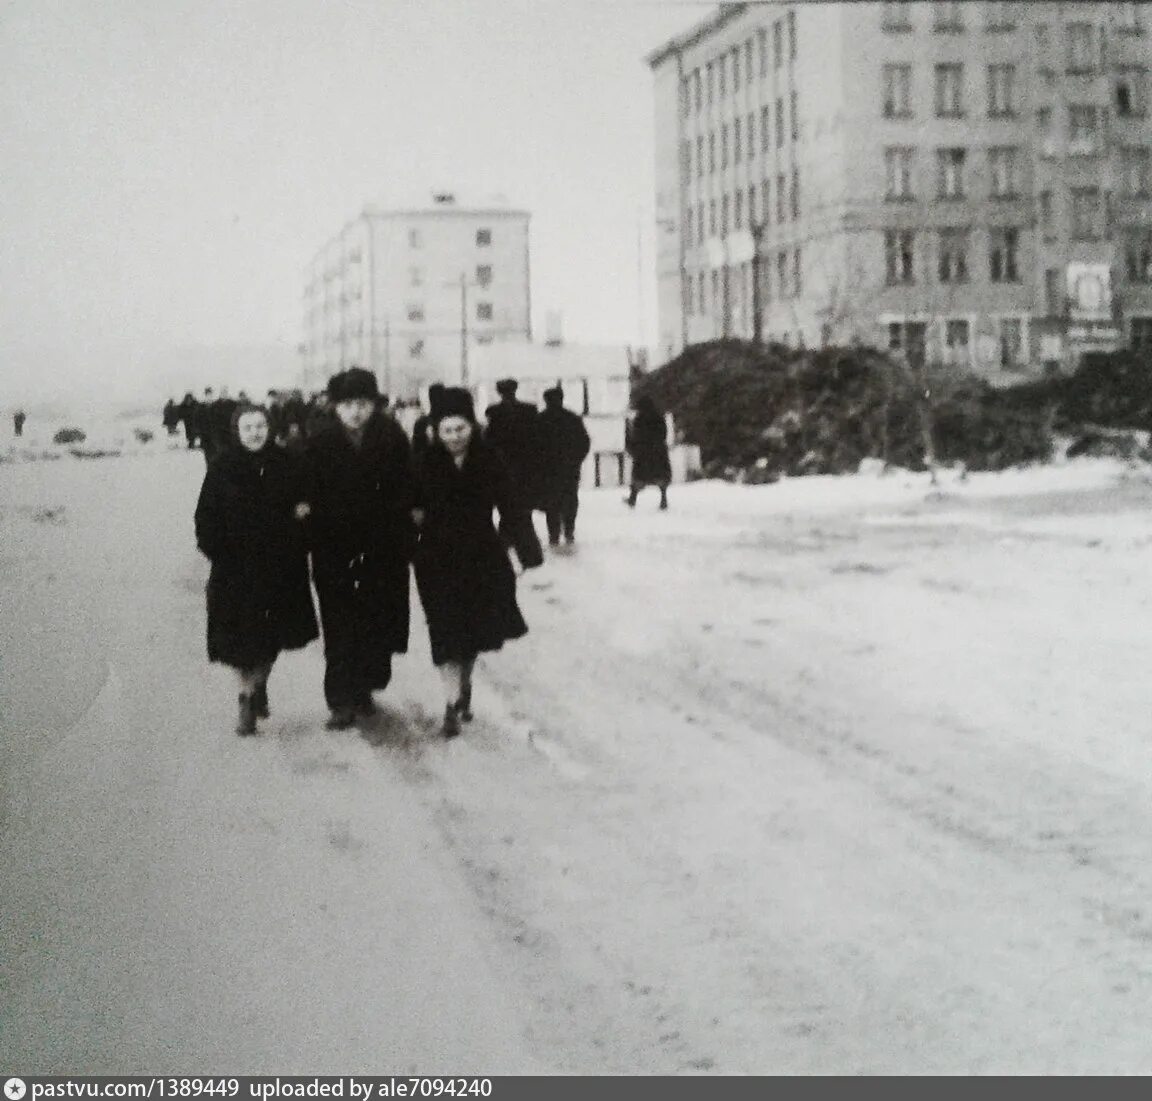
{"points": [[260, 700]]}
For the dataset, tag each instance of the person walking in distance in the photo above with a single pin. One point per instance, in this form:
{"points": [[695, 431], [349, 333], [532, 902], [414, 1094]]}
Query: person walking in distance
{"points": [[646, 441], [564, 445], [463, 574], [363, 536], [18, 419], [249, 524], [512, 430]]}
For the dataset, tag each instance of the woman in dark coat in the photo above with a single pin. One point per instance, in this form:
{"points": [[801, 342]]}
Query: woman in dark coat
{"points": [[249, 524], [646, 440], [463, 573], [363, 536]]}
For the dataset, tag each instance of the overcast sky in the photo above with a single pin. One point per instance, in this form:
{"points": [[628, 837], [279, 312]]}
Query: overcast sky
{"points": [[169, 168]]}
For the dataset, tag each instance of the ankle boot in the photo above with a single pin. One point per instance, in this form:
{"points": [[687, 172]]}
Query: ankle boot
{"points": [[260, 700], [451, 727], [463, 705], [246, 721]]}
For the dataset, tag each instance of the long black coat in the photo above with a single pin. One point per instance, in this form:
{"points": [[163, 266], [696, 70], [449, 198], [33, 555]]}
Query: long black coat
{"points": [[646, 440], [363, 536], [512, 430], [564, 444], [463, 574], [259, 599]]}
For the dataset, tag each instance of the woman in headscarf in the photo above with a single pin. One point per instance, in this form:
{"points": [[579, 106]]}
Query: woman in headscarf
{"points": [[646, 441], [463, 574], [249, 523]]}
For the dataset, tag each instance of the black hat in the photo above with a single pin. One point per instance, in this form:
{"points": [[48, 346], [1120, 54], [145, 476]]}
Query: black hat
{"points": [[506, 386], [454, 401], [554, 394], [352, 384]]}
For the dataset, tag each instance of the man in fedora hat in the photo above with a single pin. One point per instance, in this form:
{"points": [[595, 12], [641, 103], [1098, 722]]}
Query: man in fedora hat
{"points": [[363, 537], [512, 431]]}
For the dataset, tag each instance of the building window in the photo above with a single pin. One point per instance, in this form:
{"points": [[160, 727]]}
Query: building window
{"points": [[1131, 95], [947, 16], [1004, 256], [697, 90], [952, 262], [782, 274], [1138, 254], [949, 90], [1128, 19], [1044, 129], [1081, 40], [797, 274], [701, 293], [895, 15], [998, 15], [765, 129], [1082, 132], [688, 226], [899, 255], [700, 158], [1003, 165], [950, 173], [416, 277], [795, 116], [483, 238], [750, 135], [415, 240], [700, 223], [738, 209], [1140, 333], [1053, 295], [1012, 356], [736, 69], [791, 34], [724, 146], [685, 96], [724, 215], [715, 290], [1136, 178], [710, 82], [711, 151], [751, 206], [1001, 90], [766, 200], [748, 55], [762, 45], [1047, 219], [722, 79], [737, 142], [957, 341], [779, 122], [909, 338], [416, 349], [1085, 214], [777, 44], [898, 172], [897, 91], [795, 194], [781, 200], [711, 217], [415, 311], [483, 311], [685, 162]]}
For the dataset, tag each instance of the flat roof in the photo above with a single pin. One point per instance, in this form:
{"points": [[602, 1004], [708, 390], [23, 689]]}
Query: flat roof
{"points": [[724, 14]]}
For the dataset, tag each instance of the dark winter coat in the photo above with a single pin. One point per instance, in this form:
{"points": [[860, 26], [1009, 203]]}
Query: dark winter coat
{"points": [[463, 574], [259, 599], [564, 445], [646, 438], [512, 430], [362, 534]]}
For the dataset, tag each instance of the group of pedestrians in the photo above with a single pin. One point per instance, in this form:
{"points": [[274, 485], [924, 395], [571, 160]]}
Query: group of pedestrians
{"points": [[366, 506]]}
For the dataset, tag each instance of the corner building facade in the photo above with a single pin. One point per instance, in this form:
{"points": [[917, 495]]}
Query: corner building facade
{"points": [[967, 182], [407, 293]]}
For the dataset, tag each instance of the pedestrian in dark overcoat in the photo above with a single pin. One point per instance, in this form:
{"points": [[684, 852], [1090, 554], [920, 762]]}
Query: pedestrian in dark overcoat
{"points": [[187, 410], [510, 427], [171, 417], [463, 573], [424, 430], [363, 536], [564, 445], [249, 518], [646, 441]]}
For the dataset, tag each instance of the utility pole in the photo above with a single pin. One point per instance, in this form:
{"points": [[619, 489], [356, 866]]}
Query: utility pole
{"points": [[464, 285], [757, 304], [387, 356]]}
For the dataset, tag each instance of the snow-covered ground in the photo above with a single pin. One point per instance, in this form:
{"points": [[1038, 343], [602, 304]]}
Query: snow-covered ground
{"points": [[836, 775]]}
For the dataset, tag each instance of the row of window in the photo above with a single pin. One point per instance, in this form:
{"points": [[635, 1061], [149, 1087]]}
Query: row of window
{"points": [[415, 311], [416, 237], [781, 278], [911, 338], [724, 74], [1000, 15], [739, 138], [953, 251], [1129, 91], [1004, 164], [744, 207]]}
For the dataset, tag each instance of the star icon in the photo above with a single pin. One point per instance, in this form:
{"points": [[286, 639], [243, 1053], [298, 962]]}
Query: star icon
{"points": [[14, 1089]]}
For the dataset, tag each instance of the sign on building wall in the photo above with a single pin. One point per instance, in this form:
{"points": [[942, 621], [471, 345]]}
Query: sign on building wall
{"points": [[1090, 292]]}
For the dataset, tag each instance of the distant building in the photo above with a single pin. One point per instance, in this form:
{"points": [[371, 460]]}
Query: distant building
{"points": [[410, 292], [968, 182]]}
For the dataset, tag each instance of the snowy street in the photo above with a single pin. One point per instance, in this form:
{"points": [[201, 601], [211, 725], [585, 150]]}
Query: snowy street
{"points": [[832, 776]]}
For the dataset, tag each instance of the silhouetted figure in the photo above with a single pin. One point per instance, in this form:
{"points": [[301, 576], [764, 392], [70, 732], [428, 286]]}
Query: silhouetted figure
{"points": [[511, 430], [564, 445], [646, 440], [18, 419], [187, 410], [170, 417], [424, 430]]}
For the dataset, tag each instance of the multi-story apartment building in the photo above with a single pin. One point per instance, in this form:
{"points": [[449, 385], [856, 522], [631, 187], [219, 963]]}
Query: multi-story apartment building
{"points": [[968, 182], [407, 292]]}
